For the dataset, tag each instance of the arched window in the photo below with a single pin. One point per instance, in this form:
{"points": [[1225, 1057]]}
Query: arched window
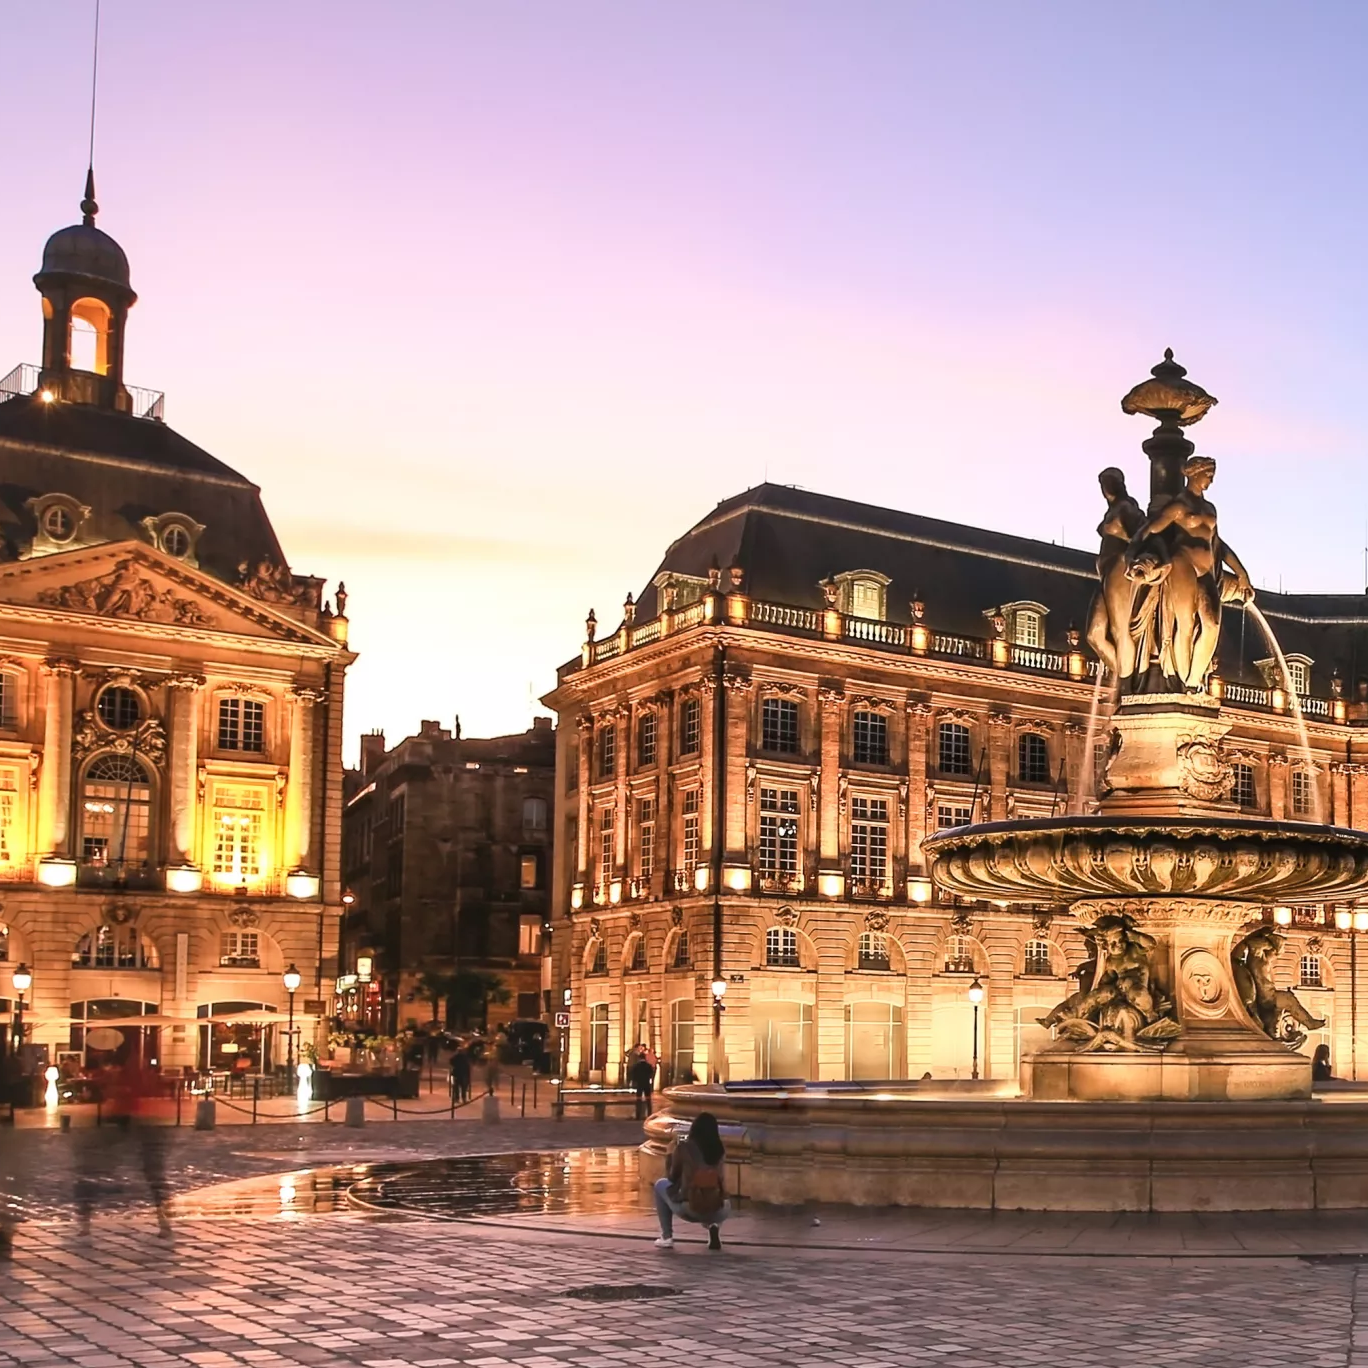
{"points": [[1037, 960], [114, 947], [88, 337], [636, 954], [959, 955], [1311, 972], [873, 951], [116, 805], [781, 947], [1033, 759], [534, 814]]}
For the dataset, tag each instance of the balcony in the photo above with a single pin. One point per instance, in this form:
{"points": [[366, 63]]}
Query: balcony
{"points": [[918, 639], [23, 379], [119, 875]]}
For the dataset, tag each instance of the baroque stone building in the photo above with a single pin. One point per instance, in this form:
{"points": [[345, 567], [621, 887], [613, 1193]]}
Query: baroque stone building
{"points": [[170, 714], [447, 853], [808, 687]]}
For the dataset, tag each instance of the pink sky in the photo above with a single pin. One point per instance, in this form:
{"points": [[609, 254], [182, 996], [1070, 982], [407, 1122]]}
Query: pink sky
{"points": [[494, 300]]}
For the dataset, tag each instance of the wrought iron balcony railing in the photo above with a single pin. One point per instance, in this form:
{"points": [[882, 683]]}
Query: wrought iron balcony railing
{"points": [[23, 379]]}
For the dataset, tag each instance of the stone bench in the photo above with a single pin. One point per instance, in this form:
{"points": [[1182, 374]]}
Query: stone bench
{"points": [[598, 1098]]}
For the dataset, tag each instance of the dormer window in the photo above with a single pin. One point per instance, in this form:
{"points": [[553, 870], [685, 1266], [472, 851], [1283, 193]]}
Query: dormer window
{"points": [[175, 534], [1299, 673], [862, 594], [1025, 622], [59, 520]]}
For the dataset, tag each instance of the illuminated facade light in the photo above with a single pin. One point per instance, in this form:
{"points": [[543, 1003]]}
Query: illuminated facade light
{"points": [[577, 897], [1361, 921], [919, 888], [300, 884], [1344, 918], [1282, 916], [701, 878], [737, 878], [830, 883], [184, 879], [47, 396], [56, 871], [615, 891]]}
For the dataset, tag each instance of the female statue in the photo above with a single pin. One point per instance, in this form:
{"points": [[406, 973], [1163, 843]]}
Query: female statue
{"points": [[1109, 618], [1179, 550]]}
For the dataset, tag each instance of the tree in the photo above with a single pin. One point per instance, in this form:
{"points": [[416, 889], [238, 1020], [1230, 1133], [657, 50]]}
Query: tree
{"points": [[473, 991], [438, 989]]}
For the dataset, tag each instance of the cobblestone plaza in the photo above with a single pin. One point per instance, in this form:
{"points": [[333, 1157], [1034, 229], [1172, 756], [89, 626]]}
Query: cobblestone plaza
{"points": [[249, 1275]]}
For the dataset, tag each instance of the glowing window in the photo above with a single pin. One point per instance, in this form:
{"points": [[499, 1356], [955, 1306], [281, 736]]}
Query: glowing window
{"points": [[646, 837], [116, 801], [781, 947], [1242, 790], [959, 955], [238, 818], [240, 949], [1301, 793], [241, 725]]}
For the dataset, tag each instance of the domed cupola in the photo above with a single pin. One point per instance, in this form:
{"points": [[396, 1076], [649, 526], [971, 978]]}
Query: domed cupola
{"points": [[85, 288]]}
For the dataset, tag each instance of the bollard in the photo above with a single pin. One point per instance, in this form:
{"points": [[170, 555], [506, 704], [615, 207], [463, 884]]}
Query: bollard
{"points": [[394, 1106], [512, 1084], [66, 1121], [489, 1111], [206, 1113], [524, 1100], [534, 1092], [256, 1094], [356, 1111], [180, 1092]]}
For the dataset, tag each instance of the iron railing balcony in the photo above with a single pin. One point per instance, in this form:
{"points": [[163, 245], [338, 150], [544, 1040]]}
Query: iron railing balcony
{"points": [[23, 379]]}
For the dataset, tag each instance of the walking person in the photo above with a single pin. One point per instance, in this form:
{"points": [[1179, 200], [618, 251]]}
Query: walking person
{"points": [[694, 1187], [491, 1071], [641, 1077], [460, 1075]]}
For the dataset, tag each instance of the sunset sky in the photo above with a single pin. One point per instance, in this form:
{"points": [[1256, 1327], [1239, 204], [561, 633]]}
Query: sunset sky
{"points": [[495, 299]]}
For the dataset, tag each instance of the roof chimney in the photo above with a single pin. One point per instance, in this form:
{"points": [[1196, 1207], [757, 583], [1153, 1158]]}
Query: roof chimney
{"points": [[372, 751]]}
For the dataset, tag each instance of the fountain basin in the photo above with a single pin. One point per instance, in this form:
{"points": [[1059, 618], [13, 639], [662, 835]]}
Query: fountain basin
{"points": [[896, 1146], [1061, 859]]}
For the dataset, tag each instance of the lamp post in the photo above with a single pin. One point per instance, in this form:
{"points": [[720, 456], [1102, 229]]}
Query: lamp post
{"points": [[975, 996], [23, 981], [719, 991], [291, 980]]}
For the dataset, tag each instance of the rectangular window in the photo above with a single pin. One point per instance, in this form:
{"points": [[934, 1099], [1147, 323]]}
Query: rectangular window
{"points": [[646, 738], [8, 799], [1301, 793], [637, 964], [866, 599], [646, 837], [870, 738], [1310, 974], [955, 757], [952, 815], [529, 935], [690, 726], [598, 1037], [681, 951], [238, 817], [781, 947], [691, 839], [606, 849], [1242, 790], [572, 754], [241, 725], [778, 834], [873, 951], [240, 949], [868, 844], [1026, 627], [1033, 759], [607, 751], [529, 872], [779, 725], [9, 699], [1037, 959]]}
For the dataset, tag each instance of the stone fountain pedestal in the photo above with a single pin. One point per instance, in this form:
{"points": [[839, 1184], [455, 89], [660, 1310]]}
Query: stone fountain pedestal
{"points": [[1222, 1055]]}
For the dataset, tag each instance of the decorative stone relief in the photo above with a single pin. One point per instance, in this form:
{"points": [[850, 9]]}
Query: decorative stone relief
{"points": [[121, 914], [634, 921], [1206, 773], [876, 921], [127, 593], [595, 926], [1278, 1011], [676, 916], [786, 916], [243, 917], [271, 583]]}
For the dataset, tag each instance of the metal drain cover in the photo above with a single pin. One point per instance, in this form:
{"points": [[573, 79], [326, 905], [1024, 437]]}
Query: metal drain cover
{"points": [[606, 1292]]}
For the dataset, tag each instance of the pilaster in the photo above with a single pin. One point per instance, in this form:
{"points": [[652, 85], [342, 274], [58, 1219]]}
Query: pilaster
{"points": [[54, 775], [182, 765], [299, 788], [832, 700]]}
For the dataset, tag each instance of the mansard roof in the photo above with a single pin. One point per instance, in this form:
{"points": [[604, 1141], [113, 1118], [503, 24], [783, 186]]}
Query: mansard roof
{"points": [[126, 469], [788, 540]]}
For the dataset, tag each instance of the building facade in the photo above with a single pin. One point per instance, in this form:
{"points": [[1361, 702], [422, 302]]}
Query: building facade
{"points": [[171, 702], [447, 852], [806, 689]]}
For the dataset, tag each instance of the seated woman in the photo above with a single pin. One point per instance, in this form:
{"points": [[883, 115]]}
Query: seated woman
{"points": [[693, 1186]]}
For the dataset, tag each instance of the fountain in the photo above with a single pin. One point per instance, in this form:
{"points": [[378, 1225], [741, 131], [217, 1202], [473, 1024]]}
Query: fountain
{"points": [[1172, 1081]]}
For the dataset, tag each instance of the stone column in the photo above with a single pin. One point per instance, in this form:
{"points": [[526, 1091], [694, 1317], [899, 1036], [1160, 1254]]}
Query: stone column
{"points": [[741, 795], [830, 795], [1277, 786], [620, 719], [918, 714], [1000, 739], [585, 725], [707, 688], [181, 766], [299, 789], [54, 778], [1338, 814]]}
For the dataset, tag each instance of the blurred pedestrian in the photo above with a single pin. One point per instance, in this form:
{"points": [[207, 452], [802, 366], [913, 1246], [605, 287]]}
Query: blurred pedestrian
{"points": [[641, 1077], [492, 1071], [460, 1075]]}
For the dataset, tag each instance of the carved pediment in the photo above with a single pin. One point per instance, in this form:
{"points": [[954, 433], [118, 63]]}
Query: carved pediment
{"points": [[131, 582]]}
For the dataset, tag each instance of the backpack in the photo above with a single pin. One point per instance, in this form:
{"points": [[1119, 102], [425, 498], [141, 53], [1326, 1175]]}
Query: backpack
{"points": [[704, 1197]]}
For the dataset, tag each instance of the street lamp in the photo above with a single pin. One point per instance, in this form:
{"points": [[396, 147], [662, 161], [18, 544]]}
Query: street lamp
{"points": [[1352, 922], [291, 979], [719, 991], [975, 996], [23, 981]]}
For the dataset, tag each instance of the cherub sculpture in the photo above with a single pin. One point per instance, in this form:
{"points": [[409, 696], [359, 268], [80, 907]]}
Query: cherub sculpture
{"points": [[1278, 1011], [1121, 1009]]}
